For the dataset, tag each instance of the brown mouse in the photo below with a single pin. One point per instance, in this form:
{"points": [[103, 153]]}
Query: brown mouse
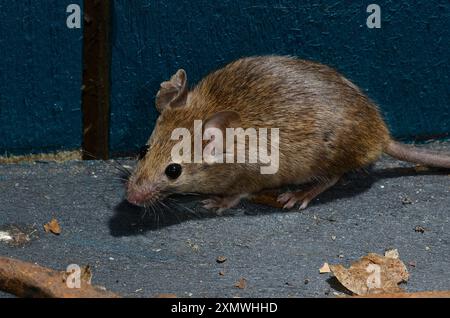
{"points": [[327, 127]]}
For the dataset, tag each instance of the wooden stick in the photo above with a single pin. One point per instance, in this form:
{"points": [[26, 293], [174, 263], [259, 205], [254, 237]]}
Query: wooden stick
{"points": [[424, 294], [29, 280]]}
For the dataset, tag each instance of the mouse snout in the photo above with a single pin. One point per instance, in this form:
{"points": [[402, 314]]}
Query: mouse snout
{"points": [[140, 194], [138, 197]]}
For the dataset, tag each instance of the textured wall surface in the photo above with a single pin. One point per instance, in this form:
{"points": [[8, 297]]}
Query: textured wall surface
{"points": [[404, 66], [40, 77]]}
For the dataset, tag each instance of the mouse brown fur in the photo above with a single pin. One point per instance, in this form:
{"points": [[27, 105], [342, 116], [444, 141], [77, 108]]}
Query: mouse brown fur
{"points": [[327, 127]]}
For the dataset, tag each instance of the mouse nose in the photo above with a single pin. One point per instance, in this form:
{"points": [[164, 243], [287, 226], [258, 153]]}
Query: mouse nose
{"points": [[138, 197], [139, 194]]}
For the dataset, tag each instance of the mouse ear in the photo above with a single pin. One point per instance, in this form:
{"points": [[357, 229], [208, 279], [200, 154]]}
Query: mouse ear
{"points": [[173, 93], [223, 120], [218, 121]]}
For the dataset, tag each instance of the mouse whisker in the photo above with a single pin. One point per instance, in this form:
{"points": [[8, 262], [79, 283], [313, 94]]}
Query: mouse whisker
{"points": [[113, 163], [161, 210], [121, 179], [163, 204], [177, 204], [118, 166], [168, 209], [145, 212], [155, 215]]}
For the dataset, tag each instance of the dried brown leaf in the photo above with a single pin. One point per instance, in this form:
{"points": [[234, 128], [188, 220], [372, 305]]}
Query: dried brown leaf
{"points": [[392, 253], [372, 274], [53, 227]]}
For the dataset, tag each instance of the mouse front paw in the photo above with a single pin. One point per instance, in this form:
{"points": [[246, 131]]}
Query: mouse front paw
{"points": [[304, 197], [221, 203]]}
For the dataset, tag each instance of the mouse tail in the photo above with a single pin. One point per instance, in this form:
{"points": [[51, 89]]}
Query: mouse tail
{"points": [[416, 155]]}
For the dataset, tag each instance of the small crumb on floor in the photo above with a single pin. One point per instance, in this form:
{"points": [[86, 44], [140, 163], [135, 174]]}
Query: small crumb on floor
{"points": [[241, 283], [52, 227], [221, 259], [324, 269]]}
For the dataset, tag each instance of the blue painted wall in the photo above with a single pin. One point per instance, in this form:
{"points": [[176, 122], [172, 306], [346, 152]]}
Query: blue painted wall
{"points": [[404, 66], [40, 77]]}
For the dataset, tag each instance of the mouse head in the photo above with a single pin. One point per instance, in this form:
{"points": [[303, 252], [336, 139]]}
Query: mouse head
{"points": [[158, 172]]}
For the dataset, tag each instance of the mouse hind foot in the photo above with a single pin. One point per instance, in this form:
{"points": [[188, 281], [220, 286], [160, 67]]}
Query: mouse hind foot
{"points": [[304, 197]]}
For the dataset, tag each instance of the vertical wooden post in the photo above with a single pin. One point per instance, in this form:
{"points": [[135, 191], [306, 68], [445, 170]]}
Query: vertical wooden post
{"points": [[96, 78]]}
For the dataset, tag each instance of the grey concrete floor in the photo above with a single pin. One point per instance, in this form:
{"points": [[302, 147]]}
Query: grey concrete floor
{"points": [[279, 253]]}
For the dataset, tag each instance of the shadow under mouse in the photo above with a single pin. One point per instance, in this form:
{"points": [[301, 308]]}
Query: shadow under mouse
{"points": [[130, 220]]}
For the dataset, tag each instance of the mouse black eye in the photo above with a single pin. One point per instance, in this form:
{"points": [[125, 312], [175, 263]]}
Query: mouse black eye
{"points": [[143, 151], [173, 171]]}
